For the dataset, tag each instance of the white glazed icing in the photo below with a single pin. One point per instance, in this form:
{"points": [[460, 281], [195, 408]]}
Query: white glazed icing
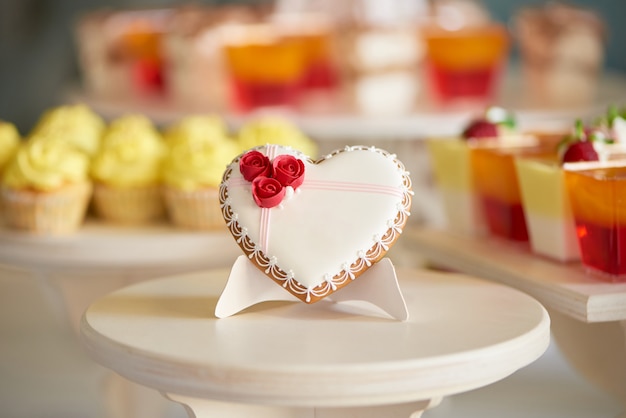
{"points": [[346, 215]]}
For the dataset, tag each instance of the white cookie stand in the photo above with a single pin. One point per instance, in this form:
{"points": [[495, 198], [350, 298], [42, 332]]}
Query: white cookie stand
{"points": [[324, 360], [248, 286], [588, 315]]}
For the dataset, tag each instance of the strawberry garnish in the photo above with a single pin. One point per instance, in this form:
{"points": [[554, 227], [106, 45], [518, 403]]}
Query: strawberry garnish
{"points": [[480, 129], [489, 125], [580, 151], [578, 146]]}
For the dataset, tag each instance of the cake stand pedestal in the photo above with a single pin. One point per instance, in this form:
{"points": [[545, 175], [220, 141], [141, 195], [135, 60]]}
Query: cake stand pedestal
{"points": [[293, 360], [76, 269], [588, 315]]}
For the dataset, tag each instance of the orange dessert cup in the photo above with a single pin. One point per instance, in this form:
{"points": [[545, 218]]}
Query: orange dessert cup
{"points": [[265, 67], [467, 62], [596, 191], [498, 188]]}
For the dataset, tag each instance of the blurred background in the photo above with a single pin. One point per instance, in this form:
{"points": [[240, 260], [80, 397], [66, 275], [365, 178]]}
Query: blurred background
{"points": [[44, 54], [388, 61]]}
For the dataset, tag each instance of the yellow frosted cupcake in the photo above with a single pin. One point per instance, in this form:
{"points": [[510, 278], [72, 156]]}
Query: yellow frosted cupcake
{"points": [[127, 172], [210, 128], [46, 187], [272, 130], [9, 143], [198, 153], [76, 124]]}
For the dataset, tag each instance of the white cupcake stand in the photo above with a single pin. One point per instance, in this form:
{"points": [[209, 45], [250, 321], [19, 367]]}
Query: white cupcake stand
{"points": [[326, 360], [588, 315], [76, 269]]}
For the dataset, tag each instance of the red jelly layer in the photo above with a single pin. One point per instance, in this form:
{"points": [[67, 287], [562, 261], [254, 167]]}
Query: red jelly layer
{"points": [[603, 248], [505, 220], [450, 84], [320, 75], [249, 95], [148, 76]]}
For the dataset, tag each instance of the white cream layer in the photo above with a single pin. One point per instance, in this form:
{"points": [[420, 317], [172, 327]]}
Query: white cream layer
{"points": [[463, 212], [554, 238]]}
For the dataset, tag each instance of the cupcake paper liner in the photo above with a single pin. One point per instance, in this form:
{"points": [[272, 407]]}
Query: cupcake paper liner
{"points": [[138, 205], [199, 209], [59, 212]]}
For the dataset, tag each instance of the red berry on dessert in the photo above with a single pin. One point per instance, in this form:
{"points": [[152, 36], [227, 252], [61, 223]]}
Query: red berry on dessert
{"points": [[480, 129], [580, 151], [579, 144], [495, 122]]}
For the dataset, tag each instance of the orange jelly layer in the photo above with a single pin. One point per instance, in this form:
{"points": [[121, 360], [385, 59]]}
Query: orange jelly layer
{"points": [[467, 49], [598, 195], [494, 169], [279, 62]]}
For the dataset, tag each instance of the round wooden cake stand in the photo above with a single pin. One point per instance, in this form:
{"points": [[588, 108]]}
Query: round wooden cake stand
{"points": [[588, 315], [286, 359]]}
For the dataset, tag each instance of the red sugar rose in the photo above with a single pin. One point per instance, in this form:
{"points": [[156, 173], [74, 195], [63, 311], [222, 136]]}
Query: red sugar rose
{"points": [[288, 170], [254, 164], [267, 192]]}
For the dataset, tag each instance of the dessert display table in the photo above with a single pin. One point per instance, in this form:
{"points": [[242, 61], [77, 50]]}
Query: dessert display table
{"points": [[100, 258], [76, 269], [286, 359], [588, 316]]}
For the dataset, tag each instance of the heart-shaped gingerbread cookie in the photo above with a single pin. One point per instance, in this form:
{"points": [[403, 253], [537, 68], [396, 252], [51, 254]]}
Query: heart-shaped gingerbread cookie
{"points": [[315, 226]]}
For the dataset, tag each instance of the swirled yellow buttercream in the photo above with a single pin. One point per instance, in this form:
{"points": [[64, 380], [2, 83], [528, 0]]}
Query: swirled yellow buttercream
{"points": [[197, 127], [46, 165], [275, 131], [76, 124], [131, 153], [197, 163], [9, 142]]}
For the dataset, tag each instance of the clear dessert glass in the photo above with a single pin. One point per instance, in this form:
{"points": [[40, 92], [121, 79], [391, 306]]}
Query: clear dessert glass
{"points": [[382, 53], [315, 32], [597, 194], [265, 67], [196, 78], [560, 46], [451, 163], [547, 211], [497, 185], [120, 52], [465, 63]]}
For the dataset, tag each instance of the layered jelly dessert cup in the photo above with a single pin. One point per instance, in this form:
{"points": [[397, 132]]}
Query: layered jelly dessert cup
{"points": [[465, 63], [315, 34], [497, 186], [451, 162], [265, 67], [597, 193], [547, 211]]}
